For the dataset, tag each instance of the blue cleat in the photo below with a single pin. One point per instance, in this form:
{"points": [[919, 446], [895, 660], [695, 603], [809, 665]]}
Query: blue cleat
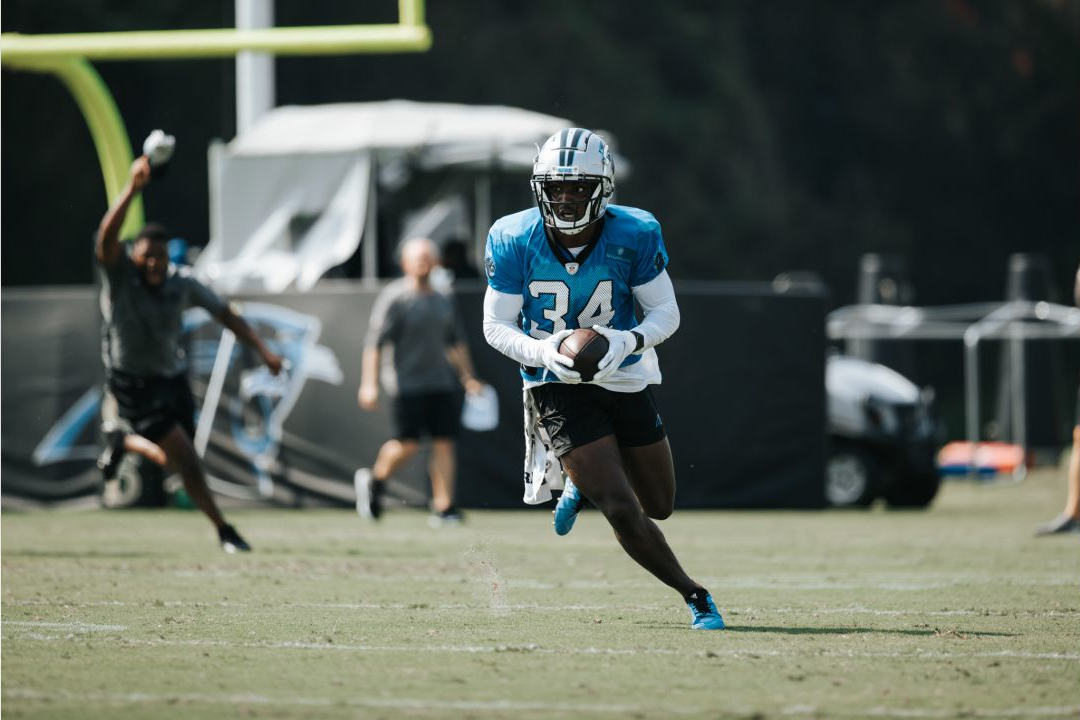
{"points": [[566, 510], [703, 611]]}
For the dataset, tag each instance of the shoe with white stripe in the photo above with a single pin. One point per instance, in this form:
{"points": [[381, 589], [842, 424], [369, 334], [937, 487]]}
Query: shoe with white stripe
{"points": [[703, 612], [566, 510]]}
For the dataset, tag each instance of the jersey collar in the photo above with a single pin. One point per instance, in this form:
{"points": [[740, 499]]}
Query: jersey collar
{"points": [[569, 262]]}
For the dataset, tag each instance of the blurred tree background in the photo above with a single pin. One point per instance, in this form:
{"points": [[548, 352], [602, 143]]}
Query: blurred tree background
{"points": [[766, 136]]}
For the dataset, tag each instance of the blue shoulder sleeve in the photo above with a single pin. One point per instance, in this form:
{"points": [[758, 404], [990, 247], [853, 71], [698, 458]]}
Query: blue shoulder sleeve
{"points": [[652, 257], [502, 262]]}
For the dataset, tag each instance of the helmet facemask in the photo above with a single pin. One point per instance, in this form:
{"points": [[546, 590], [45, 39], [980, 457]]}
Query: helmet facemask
{"points": [[591, 206], [573, 157]]}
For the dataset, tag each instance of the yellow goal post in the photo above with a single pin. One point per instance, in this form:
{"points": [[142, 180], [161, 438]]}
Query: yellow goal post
{"points": [[69, 56]]}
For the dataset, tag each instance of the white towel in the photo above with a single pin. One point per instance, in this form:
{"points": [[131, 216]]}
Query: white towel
{"points": [[480, 412], [543, 471], [159, 147]]}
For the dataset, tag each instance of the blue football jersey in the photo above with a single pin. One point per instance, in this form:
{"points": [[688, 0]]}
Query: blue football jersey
{"points": [[564, 292]]}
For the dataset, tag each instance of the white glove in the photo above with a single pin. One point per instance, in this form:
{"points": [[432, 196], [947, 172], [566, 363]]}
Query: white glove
{"points": [[557, 363], [621, 343], [158, 147]]}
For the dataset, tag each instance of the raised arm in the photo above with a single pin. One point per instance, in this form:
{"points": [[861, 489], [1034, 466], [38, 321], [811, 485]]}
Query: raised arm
{"points": [[107, 248]]}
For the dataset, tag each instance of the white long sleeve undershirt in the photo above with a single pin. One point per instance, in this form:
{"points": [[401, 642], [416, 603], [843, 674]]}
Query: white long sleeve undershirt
{"points": [[502, 312], [661, 320]]}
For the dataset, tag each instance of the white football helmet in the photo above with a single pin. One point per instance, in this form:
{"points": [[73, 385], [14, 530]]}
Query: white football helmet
{"points": [[573, 155]]}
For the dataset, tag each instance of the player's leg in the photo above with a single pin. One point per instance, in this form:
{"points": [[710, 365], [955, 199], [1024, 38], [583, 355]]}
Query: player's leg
{"points": [[137, 402], [646, 453], [180, 449], [596, 468], [443, 417], [441, 469], [161, 413], [1072, 502], [580, 426], [185, 460], [119, 442], [598, 471], [398, 450], [572, 419], [149, 450], [1069, 520], [194, 479], [392, 455], [651, 471], [568, 415], [371, 484]]}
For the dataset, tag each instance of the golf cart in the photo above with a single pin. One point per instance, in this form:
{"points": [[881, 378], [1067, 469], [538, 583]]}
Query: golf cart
{"points": [[883, 436]]}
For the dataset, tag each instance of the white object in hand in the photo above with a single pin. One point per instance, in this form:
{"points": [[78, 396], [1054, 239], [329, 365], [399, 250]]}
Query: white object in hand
{"points": [[480, 411], [158, 147], [260, 381]]}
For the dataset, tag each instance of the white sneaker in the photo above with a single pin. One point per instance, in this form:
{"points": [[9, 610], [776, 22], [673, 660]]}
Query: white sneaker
{"points": [[362, 482]]}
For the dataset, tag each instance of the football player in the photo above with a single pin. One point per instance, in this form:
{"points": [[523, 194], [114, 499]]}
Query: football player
{"points": [[577, 261]]}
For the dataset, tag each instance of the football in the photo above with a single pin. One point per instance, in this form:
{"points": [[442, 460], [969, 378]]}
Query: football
{"points": [[586, 348]]}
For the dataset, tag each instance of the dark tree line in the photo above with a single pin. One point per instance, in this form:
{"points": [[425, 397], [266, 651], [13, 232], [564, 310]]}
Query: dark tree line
{"points": [[766, 136]]}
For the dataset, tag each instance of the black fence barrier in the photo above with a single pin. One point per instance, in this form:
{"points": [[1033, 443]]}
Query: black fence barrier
{"points": [[743, 400]]}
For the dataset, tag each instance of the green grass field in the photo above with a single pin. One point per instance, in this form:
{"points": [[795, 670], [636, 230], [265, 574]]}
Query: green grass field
{"points": [[958, 611]]}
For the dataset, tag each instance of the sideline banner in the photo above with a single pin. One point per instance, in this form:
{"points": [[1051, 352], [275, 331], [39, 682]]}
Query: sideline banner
{"points": [[743, 400]]}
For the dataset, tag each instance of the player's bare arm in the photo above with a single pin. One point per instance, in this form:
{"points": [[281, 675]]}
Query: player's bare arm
{"points": [[107, 248], [368, 394], [458, 357], [249, 337]]}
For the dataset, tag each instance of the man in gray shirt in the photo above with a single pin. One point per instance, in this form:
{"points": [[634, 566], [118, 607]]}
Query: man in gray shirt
{"points": [[142, 300], [431, 363]]}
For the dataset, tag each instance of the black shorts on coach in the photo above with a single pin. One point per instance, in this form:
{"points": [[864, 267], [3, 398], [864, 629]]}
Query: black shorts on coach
{"points": [[437, 414], [153, 405], [574, 415]]}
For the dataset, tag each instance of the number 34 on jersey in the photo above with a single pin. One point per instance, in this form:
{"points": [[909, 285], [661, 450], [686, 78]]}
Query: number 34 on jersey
{"points": [[561, 291]]}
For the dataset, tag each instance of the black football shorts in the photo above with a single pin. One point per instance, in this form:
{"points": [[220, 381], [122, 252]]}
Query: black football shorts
{"points": [[574, 415], [153, 406], [437, 414]]}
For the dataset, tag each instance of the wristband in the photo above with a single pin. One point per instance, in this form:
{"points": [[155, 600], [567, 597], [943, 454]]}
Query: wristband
{"points": [[640, 340]]}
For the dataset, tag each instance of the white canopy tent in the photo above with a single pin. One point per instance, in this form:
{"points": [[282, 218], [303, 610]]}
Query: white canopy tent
{"points": [[1016, 321], [293, 197]]}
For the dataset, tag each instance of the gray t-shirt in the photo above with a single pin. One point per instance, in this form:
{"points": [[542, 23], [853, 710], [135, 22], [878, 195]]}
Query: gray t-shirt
{"points": [[419, 326], [141, 333]]}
